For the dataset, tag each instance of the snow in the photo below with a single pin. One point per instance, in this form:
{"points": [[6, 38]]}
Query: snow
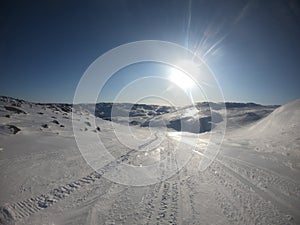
{"points": [[46, 180], [277, 133]]}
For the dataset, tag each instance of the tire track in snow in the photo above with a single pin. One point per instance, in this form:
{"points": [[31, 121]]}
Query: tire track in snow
{"points": [[241, 201], [116, 212], [161, 203], [18, 210], [169, 210], [150, 202], [187, 189], [263, 178], [266, 170], [245, 202], [269, 187]]}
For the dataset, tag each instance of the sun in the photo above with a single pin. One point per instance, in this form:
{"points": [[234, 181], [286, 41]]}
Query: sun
{"points": [[181, 79]]}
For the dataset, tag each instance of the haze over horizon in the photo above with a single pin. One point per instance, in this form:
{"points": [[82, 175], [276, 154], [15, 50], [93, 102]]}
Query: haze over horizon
{"points": [[251, 46]]}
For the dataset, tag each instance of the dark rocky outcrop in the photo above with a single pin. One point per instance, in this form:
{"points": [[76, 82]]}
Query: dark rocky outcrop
{"points": [[14, 109], [45, 126], [9, 129]]}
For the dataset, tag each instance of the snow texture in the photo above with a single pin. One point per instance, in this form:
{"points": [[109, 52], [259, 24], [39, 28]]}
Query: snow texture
{"points": [[45, 179]]}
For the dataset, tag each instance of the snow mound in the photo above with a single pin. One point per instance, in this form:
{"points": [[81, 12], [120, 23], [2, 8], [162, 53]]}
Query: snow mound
{"points": [[278, 132], [283, 119]]}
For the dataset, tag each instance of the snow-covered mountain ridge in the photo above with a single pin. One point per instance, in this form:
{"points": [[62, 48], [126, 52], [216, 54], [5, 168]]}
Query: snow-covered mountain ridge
{"points": [[179, 118]]}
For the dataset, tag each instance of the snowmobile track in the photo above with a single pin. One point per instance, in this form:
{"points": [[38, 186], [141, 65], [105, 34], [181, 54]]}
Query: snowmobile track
{"points": [[18, 210], [263, 178], [249, 197]]}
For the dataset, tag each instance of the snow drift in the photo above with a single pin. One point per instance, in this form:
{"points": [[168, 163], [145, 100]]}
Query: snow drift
{"points": [[281, 121]]}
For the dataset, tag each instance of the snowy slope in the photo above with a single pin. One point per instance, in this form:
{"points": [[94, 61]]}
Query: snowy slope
{"points": [[284, 119], [278, 132]]}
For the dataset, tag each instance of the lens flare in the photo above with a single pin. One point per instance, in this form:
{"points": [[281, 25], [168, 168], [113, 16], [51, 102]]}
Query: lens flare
{"points": [[181, 79]]}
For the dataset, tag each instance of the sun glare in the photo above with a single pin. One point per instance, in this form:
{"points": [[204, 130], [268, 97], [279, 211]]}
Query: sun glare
{"points": [[181, 79]]}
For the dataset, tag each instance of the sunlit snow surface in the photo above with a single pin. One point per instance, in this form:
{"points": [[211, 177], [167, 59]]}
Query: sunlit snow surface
{"points": [[45, 179]]}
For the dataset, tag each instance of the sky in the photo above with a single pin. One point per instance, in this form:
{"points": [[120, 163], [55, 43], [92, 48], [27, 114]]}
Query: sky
{"points": [[156, 83], [252, 47]]}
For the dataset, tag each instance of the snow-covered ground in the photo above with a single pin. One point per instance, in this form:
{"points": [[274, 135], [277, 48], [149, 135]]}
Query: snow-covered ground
{"points": [[46, 180]]}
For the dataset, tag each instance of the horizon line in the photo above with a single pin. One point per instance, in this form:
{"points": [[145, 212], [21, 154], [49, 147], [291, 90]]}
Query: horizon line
{"points": [[157, 104]]}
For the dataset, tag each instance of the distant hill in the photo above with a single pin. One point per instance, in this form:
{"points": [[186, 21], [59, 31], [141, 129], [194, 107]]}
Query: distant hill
{"points": [[202, 117]]}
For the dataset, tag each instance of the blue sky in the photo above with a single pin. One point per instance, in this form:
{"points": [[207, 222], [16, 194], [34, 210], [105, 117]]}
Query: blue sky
{"points": [[251, 46], [154, 84]]}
